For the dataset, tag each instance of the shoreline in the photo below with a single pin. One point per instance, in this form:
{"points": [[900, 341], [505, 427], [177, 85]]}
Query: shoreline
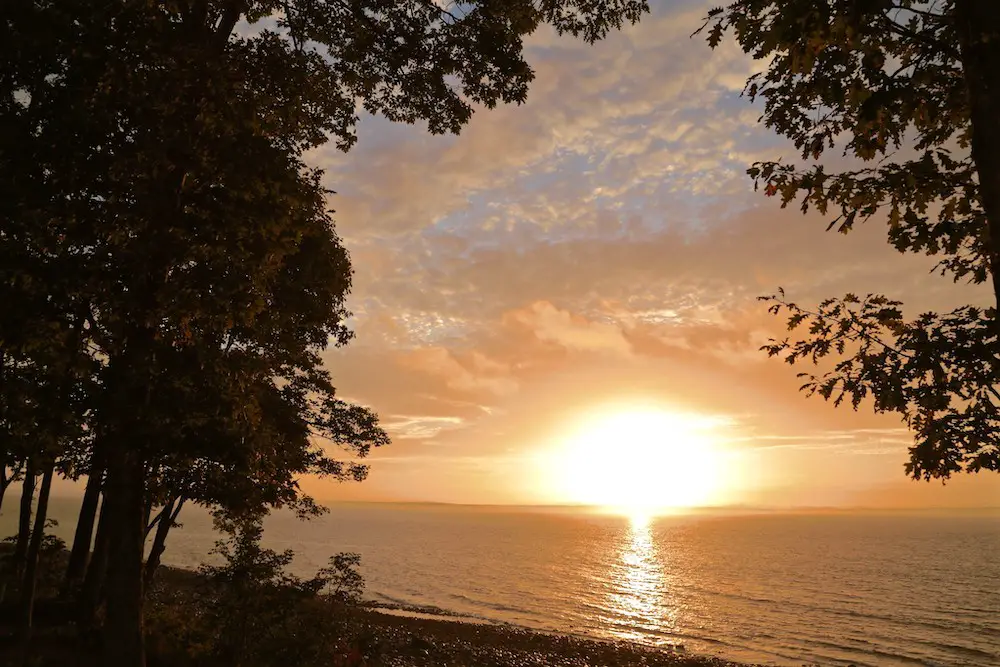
{"points": [[409, 641], [424, 636]]}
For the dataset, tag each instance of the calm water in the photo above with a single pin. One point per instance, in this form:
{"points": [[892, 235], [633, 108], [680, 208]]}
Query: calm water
{"points": [[781, 589]]}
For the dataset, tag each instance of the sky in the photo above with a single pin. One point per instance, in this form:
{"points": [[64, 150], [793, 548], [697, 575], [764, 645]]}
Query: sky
{"points": [[598, 252]]}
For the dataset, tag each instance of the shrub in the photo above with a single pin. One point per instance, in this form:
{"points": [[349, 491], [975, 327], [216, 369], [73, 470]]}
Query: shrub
{"points": [[250, 612]]}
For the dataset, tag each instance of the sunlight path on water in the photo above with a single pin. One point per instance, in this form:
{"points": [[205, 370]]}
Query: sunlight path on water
{"points": [[637, 592]]}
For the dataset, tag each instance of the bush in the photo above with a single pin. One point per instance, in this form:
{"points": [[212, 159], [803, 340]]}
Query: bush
{"points": [[249, 611], [51, 556]]}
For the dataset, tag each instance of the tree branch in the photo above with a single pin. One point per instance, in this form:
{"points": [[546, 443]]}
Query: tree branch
{"points": [[859, 334], [230, 17], [920, 12], [896, 28]]}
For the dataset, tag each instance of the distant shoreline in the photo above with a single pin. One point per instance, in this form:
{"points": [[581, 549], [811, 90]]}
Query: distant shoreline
{"points": [[726, 510]]}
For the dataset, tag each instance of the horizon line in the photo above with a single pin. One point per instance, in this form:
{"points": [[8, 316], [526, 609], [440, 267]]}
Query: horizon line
{"points": [[668, 510]]}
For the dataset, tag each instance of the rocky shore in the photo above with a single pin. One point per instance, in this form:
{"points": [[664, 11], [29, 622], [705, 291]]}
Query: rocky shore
{"points": [[404, 641]]}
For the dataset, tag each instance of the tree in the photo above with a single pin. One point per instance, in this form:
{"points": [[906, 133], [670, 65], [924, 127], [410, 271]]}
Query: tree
{"points": [[262, 615], [84, 532], [911, 90], [154, 154]]}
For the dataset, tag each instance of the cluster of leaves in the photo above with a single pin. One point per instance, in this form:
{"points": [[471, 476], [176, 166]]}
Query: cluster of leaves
{"points": [[890, 85]]}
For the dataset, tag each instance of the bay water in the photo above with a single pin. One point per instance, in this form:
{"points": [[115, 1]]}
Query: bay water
{"points": [[832, 588]]}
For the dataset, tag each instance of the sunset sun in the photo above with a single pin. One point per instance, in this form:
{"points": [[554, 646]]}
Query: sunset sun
{"points": [[642, 461]]}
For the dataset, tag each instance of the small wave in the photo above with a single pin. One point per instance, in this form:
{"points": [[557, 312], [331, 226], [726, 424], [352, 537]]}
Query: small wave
{"points": [[849, 613], [958, 648], [493, 606], [394, 604]]}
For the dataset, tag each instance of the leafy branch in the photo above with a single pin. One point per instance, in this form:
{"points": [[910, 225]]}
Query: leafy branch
{"points": [[937, 372]]}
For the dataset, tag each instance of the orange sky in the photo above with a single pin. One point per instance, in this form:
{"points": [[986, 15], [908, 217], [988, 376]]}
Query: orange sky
{"points": [[602, 244]]}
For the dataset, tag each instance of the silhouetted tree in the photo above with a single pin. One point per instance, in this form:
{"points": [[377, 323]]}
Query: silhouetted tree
{"points": [[911, 89], [86, 519], [165, 519], [30, 579], [154, 155], [24, 518]]}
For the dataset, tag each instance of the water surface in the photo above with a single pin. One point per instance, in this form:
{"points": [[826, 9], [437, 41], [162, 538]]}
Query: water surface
{"points": [[831, 589]]}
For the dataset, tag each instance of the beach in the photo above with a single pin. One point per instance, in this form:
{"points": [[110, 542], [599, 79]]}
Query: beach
{"points": [[424, 642]]}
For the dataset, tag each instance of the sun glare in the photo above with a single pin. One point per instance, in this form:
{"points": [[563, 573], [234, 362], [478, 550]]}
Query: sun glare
{"points": [[642, 462]]}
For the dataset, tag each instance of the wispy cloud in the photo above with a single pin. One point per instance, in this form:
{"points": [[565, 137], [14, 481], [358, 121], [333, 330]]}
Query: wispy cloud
{"points": [[419, 427]]}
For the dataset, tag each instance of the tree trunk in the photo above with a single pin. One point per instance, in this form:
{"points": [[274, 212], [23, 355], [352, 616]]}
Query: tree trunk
{"points": [[4, 483], [123, 628], [16, 467], [129, 384], [80, 553], [4, 479], [978, 26], [27, 603], [24, 520], [168, 515], [92, 592]]}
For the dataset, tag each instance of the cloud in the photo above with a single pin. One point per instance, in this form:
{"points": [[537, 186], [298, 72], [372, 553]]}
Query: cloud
{"points": [[419, 427], [573, 332], [600, 242], [475, 375], [639, 108], [831, 440]]}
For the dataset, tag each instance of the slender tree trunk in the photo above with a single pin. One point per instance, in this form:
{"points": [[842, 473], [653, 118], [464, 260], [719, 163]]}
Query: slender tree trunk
{"points": [[27, 603], [92, 592], [80, 553], [978, 26], [146, 513], [4, 483], [168, 515], [6, 479], [123, 628], [24, 520]]}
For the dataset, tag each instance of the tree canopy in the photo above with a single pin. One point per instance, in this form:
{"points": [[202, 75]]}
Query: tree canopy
{"points": [[910, 91]]}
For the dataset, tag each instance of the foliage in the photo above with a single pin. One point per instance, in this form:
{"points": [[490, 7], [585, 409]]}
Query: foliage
{"points": [[52, 545], [930, 370], [51, 558], [253, 612], [899, 87], [341, 579], [169, 265]]}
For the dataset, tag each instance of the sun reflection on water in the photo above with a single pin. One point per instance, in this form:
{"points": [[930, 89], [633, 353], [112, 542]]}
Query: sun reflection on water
{"points": [[637, 586]]}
